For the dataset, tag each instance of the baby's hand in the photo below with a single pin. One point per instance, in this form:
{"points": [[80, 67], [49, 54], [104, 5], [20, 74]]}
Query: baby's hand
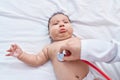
{"points": [[14, 50]]}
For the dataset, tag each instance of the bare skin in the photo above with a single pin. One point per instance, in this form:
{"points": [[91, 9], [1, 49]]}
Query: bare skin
{"points": [[72, 70], [61, 33]]}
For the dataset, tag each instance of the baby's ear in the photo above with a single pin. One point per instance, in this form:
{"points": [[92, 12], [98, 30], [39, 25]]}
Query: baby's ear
{"points": [[50, 36]]}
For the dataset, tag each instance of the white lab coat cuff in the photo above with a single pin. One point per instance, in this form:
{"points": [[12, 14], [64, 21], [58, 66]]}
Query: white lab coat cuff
{"points": [[98, 50]]}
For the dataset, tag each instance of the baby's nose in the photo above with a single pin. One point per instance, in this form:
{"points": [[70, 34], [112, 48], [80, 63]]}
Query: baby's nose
{"points": [[62, 25]]}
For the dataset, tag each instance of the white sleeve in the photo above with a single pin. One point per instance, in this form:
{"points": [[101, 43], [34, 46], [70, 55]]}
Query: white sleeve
{"points": [[100, 51]]}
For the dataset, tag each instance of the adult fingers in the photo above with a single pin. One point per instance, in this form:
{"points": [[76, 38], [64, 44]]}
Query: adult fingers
{"points": [[62, 49], [69, 58]]}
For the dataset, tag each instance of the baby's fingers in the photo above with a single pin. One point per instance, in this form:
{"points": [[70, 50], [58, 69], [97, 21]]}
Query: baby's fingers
{"points": [[9, 50], [13, 47], [9, 54]]}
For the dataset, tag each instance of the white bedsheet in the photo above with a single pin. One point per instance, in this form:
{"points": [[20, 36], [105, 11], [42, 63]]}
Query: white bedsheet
{"points": [[25, 22]]}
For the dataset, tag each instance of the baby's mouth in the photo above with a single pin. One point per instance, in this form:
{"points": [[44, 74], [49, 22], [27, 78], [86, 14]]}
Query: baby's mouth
{"points": [[62, 30]]}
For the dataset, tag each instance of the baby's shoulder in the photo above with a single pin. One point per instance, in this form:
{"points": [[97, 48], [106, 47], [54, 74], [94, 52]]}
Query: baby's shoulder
{"points": [[74, 38], [49, 46], [46, 46]]}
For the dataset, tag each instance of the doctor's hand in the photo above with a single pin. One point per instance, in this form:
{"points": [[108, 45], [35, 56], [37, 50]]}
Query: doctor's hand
{"points": [[14, 50], [72, 49]]}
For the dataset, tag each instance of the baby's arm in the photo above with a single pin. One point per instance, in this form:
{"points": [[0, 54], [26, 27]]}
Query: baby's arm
{"points": [[34, 60], [30, 59]]}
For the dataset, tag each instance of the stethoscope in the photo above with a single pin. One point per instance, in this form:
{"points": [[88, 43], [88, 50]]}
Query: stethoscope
{"points": [[97, 69], [60, 57]]}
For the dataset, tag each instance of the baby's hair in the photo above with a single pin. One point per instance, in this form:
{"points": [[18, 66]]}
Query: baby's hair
{"points": [[56, 14]]}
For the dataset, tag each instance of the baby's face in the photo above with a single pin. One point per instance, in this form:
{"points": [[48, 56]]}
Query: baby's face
{"points": [[60, 27]]}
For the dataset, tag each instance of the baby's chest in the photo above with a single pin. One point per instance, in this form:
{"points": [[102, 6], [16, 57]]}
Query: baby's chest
{"points": [[54, 49]]}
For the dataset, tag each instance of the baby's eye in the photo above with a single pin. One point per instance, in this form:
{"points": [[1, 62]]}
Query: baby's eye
{"points": [[65, 21], [55, 23]]}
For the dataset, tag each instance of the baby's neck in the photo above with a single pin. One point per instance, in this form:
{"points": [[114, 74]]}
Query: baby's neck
{"points": [[63, 39]]}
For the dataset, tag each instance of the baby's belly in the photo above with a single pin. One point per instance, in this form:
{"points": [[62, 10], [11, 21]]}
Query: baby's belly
{"points": [[76, 70]]}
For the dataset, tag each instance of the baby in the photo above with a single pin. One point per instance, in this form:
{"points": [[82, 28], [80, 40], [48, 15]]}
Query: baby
{"points": [[60, 31]]}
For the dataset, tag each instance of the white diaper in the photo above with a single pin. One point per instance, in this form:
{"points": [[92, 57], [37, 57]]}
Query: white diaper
{"points": [[90, 76]]}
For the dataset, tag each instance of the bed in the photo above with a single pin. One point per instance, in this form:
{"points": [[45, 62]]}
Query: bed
{"points": [[24, 22]]}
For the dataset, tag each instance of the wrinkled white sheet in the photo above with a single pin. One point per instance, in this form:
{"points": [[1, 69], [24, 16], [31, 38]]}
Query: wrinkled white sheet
{"points": [[25, 22]]}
